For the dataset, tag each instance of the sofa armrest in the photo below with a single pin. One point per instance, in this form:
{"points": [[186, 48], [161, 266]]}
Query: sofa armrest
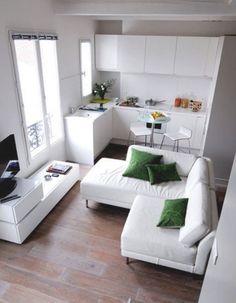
{"points": [[203, 251]]}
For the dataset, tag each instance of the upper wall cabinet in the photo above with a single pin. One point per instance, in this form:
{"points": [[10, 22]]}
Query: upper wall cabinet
{"points": [[106, 47], [131, 53], [195, 56], [182, 56], [160, 54], [211, 57]]}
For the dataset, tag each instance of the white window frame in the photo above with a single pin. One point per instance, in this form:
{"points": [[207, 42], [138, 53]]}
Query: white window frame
{"points": [[87, 40], [32, 155]]}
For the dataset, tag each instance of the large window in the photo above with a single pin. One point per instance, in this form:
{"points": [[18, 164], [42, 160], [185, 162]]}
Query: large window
{"points": [[36, 69], [86, 67]]}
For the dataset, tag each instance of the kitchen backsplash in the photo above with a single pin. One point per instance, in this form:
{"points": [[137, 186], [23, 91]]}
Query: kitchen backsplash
{"points": [[161, 87]]}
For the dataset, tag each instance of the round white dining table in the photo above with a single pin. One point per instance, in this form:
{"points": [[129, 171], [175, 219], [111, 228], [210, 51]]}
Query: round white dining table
{"points": [[147, 118]]}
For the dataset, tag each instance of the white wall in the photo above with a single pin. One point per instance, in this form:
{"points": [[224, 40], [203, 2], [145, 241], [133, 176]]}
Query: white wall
{"points": [[220, 142], [30, 15], [71, 30], [219, 282]]}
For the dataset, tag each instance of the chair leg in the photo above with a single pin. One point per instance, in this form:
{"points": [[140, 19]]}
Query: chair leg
{"points": [[128, 141], [177, 146], [127, 260], [87, 203], [174, 145], [162, 141], [189, 146], [145, 140]]}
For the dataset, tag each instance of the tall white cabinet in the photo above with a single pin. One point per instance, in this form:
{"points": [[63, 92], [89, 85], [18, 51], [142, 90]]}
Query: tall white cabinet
{"points": [[219, 283]]}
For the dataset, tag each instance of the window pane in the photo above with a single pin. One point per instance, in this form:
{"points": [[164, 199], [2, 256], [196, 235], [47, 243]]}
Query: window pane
{"points": [[86, 67], [51, 87], [28, 72]]}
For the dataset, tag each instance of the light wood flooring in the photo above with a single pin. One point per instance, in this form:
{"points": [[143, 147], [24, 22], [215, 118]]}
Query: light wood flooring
{"points": [[74, 256]]}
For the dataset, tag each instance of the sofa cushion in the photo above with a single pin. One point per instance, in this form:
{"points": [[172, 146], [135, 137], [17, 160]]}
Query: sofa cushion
{"points": [[173, 213], [159, 173], [140, 234], [197, 220], [137, 164], [184, 162], [104, 183], [198, 173]]}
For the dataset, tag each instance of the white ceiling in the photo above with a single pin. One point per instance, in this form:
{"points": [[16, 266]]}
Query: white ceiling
{"points": [[149, 9]]}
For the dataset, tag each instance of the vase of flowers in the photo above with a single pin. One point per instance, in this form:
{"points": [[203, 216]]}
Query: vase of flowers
{"points": [[100, 89]]}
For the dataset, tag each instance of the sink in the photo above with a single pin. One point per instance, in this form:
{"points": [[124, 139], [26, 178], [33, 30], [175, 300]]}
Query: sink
{"points": [[87, 114], [82, 114]]}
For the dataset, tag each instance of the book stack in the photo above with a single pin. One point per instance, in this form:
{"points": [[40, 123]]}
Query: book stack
{"points": [[59, 168]]}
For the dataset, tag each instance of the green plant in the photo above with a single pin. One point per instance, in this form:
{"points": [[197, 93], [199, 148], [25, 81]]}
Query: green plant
{"points": [[100, 89]]}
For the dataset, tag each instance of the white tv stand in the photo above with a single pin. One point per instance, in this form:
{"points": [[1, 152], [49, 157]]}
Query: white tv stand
{"points": [[18, 218]]}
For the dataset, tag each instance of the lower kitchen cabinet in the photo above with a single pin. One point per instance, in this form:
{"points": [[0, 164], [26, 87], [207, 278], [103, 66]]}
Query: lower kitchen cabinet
{"points": [[122, 117], [102, 132], [194, 122], [87, 137]]}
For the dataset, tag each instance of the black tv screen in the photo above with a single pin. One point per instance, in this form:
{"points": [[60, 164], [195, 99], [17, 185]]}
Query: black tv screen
{"points": [[9, 164]]}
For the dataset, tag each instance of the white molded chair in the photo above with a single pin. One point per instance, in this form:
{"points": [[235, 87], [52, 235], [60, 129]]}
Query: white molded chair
{"points": [[138, 129], [182, 134]]}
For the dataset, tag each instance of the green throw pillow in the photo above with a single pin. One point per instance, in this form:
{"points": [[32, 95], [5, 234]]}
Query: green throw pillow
{"points": [[162, 173], [173, 213], [137, 165]]}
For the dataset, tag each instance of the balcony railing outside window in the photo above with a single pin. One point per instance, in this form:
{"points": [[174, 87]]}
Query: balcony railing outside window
{"points": [[36, 135]]}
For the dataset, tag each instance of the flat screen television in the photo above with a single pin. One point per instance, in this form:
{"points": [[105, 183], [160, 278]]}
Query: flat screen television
{"points": [[9, 165]]}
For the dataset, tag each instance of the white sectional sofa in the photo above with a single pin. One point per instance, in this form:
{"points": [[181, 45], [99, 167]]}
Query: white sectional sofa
{"points": [[186, 248]]}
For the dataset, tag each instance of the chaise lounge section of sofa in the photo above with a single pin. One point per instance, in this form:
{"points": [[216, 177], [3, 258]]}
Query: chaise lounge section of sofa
{"points": [[186, 248]]}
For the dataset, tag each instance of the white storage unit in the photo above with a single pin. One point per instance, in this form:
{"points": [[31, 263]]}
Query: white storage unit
{"points": [[18, 218], [106, 48], [131, 53], [13, 213], [87, 135], [160, 54]]}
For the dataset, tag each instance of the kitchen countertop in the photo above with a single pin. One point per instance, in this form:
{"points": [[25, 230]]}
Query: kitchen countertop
{"points": [[166, 108]]}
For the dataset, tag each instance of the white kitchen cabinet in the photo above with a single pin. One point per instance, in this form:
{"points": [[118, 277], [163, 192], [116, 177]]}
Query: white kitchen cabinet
{"points": [[194, 56], [102, 132], [122, 117], [106, 49], [131, 53], [160, 54], [87, 134], [211, 56], [194, 122]]}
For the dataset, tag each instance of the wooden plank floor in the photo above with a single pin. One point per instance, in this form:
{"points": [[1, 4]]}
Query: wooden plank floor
{"points": [[74, 256]]}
